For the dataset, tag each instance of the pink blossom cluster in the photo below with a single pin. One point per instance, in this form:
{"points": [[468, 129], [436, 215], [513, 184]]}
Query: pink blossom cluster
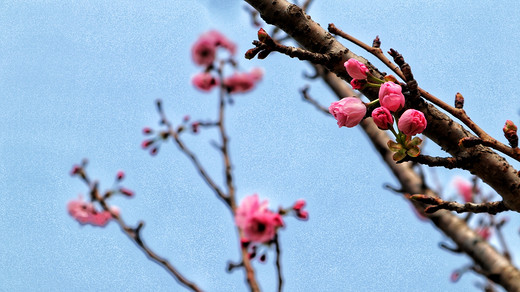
{"points": [[204, 54], [349, 112], [258, 223], [86, 213]]}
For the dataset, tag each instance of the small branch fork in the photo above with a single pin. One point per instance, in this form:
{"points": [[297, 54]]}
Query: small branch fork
{"points": [[459, 113], [135, 234], [438, 204]]}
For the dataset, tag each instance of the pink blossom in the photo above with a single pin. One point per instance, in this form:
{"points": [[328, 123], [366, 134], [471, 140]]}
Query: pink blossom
{"points": [[85, 213], [356, 69], [348, 111], [257, 222], [382, 118], [412, 122], [241, 82], [464, 188], [390, 96], [204, 81], [204, 49]]}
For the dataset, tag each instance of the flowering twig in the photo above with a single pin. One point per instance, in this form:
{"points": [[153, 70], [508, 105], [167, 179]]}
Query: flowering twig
{"points": [[459, 113], [135, 235], [439, 204]]}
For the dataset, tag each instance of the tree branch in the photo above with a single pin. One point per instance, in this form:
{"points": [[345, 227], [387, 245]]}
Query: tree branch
{"points": [[438, 204], [490, 167], [497, 267]]}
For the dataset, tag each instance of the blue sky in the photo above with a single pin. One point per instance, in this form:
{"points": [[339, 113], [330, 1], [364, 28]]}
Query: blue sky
{"points": [[79, 79]]}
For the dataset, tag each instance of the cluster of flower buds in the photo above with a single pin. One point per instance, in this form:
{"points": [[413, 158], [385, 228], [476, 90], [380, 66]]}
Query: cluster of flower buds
{"points": [[350, 111], [204, 53]]}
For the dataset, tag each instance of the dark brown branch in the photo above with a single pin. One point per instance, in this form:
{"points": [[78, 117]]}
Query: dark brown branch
{"points": [[265, 48], [447, 162], [278, 265], [438, 204]]}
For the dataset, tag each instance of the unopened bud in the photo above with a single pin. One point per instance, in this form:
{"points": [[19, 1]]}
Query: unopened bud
{"points": [[459, 100], [510, 133], [262, 35], [120, 175]]}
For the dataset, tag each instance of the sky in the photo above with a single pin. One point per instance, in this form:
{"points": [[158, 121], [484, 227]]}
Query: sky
{"points": [[78, 79]]}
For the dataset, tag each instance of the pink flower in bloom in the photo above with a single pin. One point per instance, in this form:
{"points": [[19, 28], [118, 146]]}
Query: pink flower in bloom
{"points": [[356, 69], [257, 222], [242, 81], [85, 213], [204, 49], [382, 118], [204, 81], [464, 188], [348, 111], [390, 96], [412, 122]]}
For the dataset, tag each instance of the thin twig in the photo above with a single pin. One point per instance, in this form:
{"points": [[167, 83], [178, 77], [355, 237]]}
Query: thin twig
{"points": [[315, 103], [439, 204], [447, 162], [278, 265]]}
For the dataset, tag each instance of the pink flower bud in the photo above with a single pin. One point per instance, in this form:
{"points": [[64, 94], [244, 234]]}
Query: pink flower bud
{"points": [[356, 69], [299, 204], [303, 215], [147, 130], [120, 175], [126, 192], [390, 96], [382, 118], [204, 81], [358, 84], [75, 170], [412, 122], [146, 143], [348, 112]]}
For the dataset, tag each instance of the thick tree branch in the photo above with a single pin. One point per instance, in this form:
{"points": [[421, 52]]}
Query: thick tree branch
{"points": [[495, 266], [490, 167]]}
